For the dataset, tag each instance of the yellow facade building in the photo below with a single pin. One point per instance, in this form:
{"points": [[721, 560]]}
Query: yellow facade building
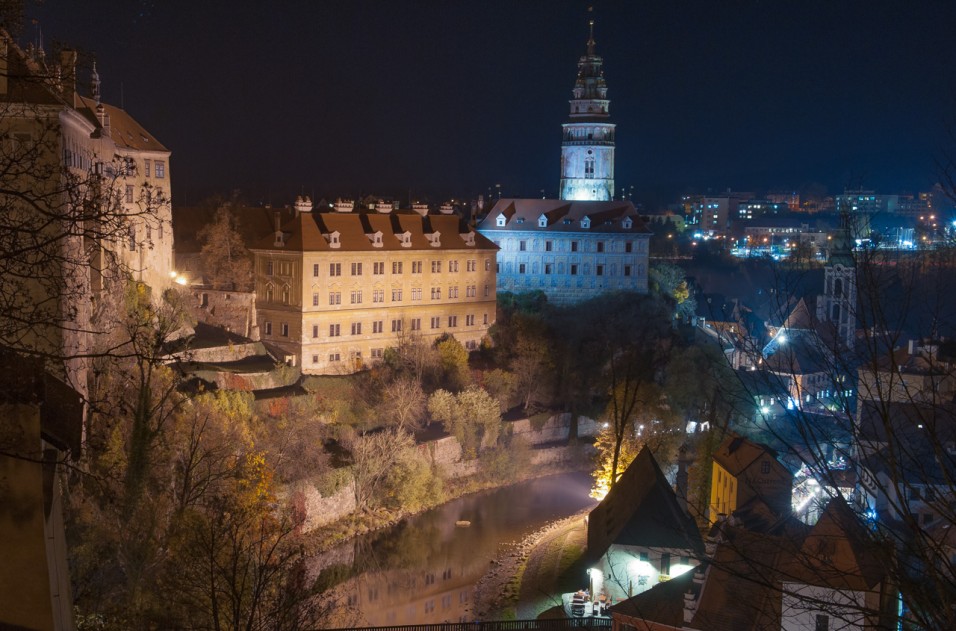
{"points": [[335, 289]]}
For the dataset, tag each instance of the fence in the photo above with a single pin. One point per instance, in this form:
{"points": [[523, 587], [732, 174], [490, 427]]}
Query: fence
{"points": [[503, 625]]}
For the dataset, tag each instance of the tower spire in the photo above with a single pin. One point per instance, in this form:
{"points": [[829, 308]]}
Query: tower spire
{"points": [[591, 37]]}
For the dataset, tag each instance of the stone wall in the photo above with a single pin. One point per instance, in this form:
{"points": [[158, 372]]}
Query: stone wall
{"points": [[234, 311], [555, 429], [313, 509], [222, 354]]}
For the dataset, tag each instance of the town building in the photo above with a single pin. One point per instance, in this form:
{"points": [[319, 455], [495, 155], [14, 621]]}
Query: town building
{"points": [[86, 204], [640, 535], [744, 471], [335, 289], [571, 251]]}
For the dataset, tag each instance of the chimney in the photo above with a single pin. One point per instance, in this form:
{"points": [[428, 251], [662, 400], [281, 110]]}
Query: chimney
{"points": [[344, 205], [303, 205], [421, 209], [68, 73]]}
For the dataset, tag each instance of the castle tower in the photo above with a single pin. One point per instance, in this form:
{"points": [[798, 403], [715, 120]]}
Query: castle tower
{"points": [[587, 150]]}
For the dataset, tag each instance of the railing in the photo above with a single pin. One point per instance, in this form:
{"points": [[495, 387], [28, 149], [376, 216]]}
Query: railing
{"points": [[503, 625]]}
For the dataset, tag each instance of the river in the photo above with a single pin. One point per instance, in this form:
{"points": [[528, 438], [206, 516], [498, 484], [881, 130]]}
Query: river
{"points": [[424, 569]]}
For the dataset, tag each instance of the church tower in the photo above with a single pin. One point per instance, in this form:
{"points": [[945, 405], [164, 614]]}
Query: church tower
{"points": [[587, 150], [838, 304]]}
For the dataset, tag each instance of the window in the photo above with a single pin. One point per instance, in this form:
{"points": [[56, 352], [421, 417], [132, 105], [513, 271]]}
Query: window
{"points": [[315, 359], [356, 328], [471, 291], [335, 269], [270, 268], [452, 321], [471, 265], [378, 326], [334, 330], [147, 167], [547, 268], [315, 330], [315, 270], [487, 265], [378, 268], [523, 246], [589, 168], [129, 193], [627, 270], [396, 295], [416, 267], [822, 622], [765, 467], [599, 270], [485, 319], [131, 233], [666, 564], [315, 300], [452, 266], [334, 357], [436, 322], [469, 320], [356, 269], [574, 270], [416, 324], [396, 326], [629, 247], [453, 292], [268, 328], [335, 298], [284, 329], [436, 293], [378, 353], [396, 267], [521, 268], [160, 169], [548, 246], [378, 295], [356, 297], [574, 246], [416, 293], [487, 290], [600, 246]]}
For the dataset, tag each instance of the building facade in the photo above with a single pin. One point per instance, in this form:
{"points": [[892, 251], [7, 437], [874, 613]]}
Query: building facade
{"points": [[335, 289], [85, 199], [587, 147], [571, 251]]}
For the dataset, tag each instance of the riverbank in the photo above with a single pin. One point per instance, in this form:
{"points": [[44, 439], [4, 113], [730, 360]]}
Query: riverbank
{"points": [[527, 579], [326, 537]]}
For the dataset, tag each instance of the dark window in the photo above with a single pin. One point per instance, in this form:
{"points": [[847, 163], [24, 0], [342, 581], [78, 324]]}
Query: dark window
{"points": [[600, 270], [574, 246], [822, 623], [600, 246], [574, 270]]}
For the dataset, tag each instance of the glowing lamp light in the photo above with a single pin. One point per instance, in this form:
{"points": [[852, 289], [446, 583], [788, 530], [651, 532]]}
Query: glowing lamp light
{"points": [[181, 280], [173, 274]]}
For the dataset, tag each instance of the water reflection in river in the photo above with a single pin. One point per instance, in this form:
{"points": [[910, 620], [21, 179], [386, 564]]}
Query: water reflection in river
{"points": [[424, 569]]}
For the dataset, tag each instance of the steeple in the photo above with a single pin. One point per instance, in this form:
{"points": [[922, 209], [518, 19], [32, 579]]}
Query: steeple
{"points": [[95, 84], [587, 150]]}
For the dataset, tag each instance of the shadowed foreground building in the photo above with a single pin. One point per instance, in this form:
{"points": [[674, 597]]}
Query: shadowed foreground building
{"points": [[335, 289]]}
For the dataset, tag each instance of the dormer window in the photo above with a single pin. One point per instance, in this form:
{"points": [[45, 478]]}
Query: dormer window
{"points": [[501, 220], [405, 238], [520, 220], [567, 221], [469, 238], [542, 222], [585, 222], [333, 239], [376, 239], [280, 239], [434, 239], [627, 223]]}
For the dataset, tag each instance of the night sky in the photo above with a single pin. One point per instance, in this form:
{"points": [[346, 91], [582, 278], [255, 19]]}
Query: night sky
{"points": [[435, 99]]}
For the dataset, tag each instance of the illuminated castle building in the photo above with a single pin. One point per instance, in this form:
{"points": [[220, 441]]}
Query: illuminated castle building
{"points": [[587, 150], [585, 243]]}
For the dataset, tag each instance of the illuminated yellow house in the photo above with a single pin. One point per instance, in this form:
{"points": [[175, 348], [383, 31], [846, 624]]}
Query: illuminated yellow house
{"points": [[335, 289], [745, 472]]}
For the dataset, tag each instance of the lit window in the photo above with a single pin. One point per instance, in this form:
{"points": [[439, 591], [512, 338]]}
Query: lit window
{"points": [[160, 169]]}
